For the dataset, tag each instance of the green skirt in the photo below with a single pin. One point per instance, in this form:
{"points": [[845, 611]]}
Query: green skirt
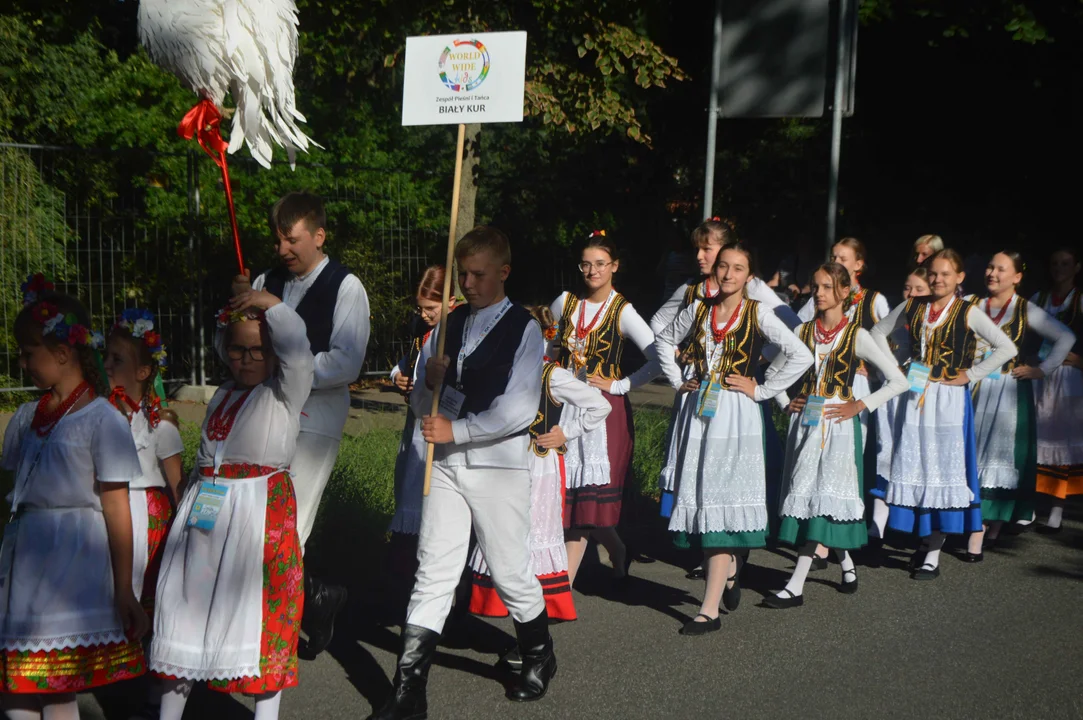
{"points": [[751, 539], [1001, 504], [842, 535]]}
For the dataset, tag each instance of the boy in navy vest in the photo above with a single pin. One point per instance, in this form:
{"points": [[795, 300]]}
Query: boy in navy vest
{"points": [[335, 308], [490, 381]]}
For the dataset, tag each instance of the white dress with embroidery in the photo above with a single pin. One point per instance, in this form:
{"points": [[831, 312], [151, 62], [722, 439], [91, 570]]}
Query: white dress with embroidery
{"points": [[56, 579], [208, 622], [1059, 406]]}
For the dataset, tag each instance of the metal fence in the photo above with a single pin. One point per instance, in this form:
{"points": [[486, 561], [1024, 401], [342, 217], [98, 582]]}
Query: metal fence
{"points": [[119, 229]]}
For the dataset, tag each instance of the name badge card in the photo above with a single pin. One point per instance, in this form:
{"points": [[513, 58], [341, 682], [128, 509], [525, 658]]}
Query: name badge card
{"points": [[451, 402], [207, 506], [708, 398], [814, 410], [918, 377]]}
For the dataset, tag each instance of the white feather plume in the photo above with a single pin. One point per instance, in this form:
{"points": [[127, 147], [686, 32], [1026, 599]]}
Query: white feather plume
{"points": [[248, 47]]}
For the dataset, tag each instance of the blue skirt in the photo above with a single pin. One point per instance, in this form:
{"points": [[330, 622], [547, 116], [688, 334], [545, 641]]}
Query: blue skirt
{"points": [[955, 521]]}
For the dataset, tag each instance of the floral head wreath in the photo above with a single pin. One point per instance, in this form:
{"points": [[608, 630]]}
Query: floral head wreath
{"points": [[140, 325], [596, 233], [228, 316], [65, 328]]}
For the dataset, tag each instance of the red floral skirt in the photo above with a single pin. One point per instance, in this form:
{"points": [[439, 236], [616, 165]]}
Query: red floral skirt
{"points": [[283, 588], [159, 518], [71, 670], [556, 590]]}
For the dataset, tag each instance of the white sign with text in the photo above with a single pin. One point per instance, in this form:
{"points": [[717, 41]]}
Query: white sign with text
{"points": [[465, 78]]}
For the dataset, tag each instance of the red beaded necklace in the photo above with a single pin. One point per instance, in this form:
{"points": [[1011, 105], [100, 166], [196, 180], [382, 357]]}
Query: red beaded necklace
{"points": [[825, 337], [220, 423], [1000, 315], [45, 420], [935, 314], [581, 330], [721, 333]]}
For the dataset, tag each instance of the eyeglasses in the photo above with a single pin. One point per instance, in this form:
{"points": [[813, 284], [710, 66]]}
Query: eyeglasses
{"points": [[584, 267], [237, 352]]}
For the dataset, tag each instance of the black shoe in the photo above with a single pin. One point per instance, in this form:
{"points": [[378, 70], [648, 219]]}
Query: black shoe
{"points": [[925, 573], [731, 596], [408, 701], [973, 557], [322, 603], [539, 661], [784, 603], [848, 586], [1046, 530], [874, 552], [818, 563], [701, 628], [696, 573]]}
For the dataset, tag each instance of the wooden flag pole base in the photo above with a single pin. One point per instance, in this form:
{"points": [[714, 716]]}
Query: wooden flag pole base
{"points": [[448, 272]]}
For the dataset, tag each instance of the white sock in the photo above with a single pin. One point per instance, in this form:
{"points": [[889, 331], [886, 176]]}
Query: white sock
{"points": [[932, 556], [1028, 521], [174, 697], [20, 714], [880, 512], [22, 707], [60, 707], [267, 706], [1055, 516], [800, 571], [847, 564]]}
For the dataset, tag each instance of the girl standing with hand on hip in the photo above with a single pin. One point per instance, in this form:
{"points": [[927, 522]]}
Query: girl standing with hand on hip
{"points": [[720, 482], [933, 488]]}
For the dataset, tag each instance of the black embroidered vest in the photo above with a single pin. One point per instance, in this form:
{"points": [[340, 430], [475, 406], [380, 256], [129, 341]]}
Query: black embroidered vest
{"points": [[604, 344], [486, 370], [840, 366], [1072, 316], [1017, 329], [863, 314], [317, 307], [950, 346], [548, 414], [742, 345]]}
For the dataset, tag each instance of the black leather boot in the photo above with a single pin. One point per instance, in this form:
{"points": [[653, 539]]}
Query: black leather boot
{"points": [[408, 701], [322, 603], [539, 662]]}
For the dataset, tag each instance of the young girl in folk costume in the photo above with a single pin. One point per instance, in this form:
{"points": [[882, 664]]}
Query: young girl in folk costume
{"points": [[549, 435], [134, 355], [230, 592], [69, 620], [590, 343], [720, 483], [1004, 402], [916, 286], [933, 488], [1059, 406], [822, 498]]}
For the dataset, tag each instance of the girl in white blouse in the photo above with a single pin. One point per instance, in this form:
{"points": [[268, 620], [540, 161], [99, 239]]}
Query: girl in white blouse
{"points": [[720, 481], [589, 343], [933, 488], [69, 619], [230, 591]]}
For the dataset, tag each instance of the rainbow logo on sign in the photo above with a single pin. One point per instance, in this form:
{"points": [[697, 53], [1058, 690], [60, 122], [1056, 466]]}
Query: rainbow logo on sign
{"points": [[464, 65]]}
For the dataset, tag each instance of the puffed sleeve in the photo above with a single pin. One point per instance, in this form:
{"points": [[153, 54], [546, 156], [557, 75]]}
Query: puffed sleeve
{"points": [[1054, 330], [113, 450], [895, 382], [13, 435], [1002, 347], [666, 342], [793, 358], [295, 363]]}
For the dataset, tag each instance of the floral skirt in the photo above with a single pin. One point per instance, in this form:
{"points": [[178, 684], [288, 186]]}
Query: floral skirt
{"points": [[70, 670], [283, 594], [160, 516]]}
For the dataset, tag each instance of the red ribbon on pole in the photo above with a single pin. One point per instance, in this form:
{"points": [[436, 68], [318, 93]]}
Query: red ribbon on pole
{"points": [[202, 122]]}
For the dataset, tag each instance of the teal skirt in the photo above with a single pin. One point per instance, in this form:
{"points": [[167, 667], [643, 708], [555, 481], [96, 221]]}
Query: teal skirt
{"points": [[842, 535], [1001, 504]]}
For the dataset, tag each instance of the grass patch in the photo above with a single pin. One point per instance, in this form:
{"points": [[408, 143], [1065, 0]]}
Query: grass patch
{"points": [[650, 449]]}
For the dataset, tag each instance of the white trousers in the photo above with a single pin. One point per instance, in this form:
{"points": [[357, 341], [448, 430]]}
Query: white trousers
{"points": [[310, 470], [497, 502]]}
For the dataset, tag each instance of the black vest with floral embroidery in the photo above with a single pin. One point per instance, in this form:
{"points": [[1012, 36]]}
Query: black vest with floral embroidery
{"points": [[950, 346], [840, 366], [604, 344], [742, 345]]}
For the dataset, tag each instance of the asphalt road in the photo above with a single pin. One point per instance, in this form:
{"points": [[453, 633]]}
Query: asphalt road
{"points": [[1000, 639]]}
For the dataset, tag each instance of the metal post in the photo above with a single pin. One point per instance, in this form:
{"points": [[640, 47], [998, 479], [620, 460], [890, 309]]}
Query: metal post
{"points": [[712, 113], [836, 125]]}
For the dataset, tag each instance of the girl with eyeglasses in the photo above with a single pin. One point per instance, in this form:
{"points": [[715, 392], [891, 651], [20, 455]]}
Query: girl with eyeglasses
{"points": [[1004, 401], [230, 592], [591, 332]]}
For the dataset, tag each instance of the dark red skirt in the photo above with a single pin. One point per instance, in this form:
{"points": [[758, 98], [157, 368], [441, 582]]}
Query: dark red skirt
{"points": [[159, 518], [598, 506], [556, 590]]}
